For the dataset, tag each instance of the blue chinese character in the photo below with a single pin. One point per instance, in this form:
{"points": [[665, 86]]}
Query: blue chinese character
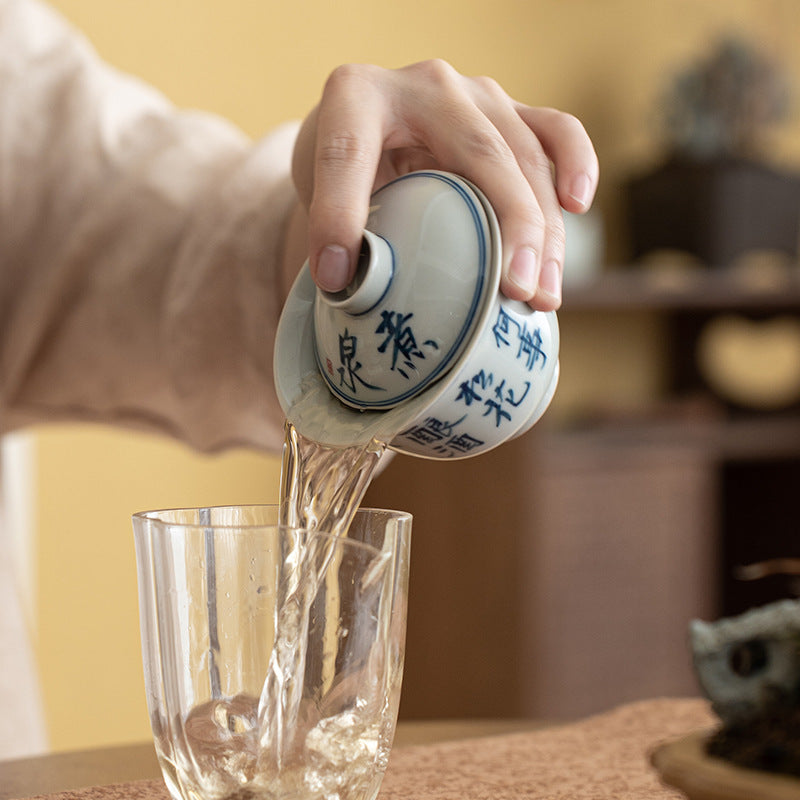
{"points": [[404, 343], [348, 372], [467, 389], [530, 346], [503, 396], [501, 328], [432, 430], [530, 342], [463, 443], [499, 413]]}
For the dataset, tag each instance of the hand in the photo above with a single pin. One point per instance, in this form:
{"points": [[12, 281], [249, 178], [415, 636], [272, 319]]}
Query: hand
{"points": [[375, 124]]}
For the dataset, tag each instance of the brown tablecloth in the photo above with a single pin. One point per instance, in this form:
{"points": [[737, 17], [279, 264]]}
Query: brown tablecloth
{"points": [[604, 756]]}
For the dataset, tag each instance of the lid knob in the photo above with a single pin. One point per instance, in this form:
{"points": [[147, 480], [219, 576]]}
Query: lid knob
{"points": [[374, 273]]}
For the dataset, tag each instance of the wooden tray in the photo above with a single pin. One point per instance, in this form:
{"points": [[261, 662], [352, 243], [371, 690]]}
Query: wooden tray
{"points": [[685, 765]]}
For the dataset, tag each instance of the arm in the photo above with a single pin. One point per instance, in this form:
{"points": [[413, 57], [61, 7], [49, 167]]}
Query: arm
{"points": [[140, 249], [143, 250]]}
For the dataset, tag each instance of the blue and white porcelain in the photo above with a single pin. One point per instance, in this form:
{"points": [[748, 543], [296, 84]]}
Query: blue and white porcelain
{"points": [[421, 351]]}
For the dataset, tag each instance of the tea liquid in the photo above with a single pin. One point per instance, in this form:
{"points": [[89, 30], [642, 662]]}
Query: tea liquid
{"points": [[321, 489], [246, 747]]}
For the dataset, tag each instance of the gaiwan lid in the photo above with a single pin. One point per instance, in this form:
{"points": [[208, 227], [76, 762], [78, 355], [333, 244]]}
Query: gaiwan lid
{"points": [[428, 262]]}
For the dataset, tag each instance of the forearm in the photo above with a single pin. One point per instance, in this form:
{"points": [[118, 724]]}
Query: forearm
{"points": [[141, 250]]}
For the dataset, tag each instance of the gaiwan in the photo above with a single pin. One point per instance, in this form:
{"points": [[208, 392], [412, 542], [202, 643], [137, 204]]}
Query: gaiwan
{"points": [[421, 352]]}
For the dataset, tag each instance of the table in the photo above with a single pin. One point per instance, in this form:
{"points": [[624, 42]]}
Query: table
{"points": [[57, 772], [607, 756]]}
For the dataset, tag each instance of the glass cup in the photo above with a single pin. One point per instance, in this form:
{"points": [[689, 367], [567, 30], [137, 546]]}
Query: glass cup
{"points": [[273, 656]]}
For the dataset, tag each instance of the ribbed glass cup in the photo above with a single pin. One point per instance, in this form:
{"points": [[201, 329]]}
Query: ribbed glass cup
{"points": [[273, 656]]}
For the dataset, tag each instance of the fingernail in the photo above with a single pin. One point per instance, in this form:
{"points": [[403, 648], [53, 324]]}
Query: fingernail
{"points": [[333, 268], [523, 270], [550, 280], [581, 190]]}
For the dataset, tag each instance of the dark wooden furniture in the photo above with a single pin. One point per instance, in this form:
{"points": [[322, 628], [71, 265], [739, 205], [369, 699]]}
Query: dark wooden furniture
{"points": [[555, 577]]}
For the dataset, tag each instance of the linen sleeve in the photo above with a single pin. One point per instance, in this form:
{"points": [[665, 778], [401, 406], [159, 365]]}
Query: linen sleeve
{"points": [[140, 249]]}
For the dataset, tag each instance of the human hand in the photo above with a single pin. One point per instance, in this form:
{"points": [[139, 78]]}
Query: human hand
{"points": [[374, 124]]}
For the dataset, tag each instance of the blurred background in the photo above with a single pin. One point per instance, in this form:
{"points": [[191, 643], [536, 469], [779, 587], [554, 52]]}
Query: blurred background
{"points": [[554, 577]]}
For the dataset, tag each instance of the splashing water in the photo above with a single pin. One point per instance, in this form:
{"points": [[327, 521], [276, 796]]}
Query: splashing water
{"points": [[321, 489]]}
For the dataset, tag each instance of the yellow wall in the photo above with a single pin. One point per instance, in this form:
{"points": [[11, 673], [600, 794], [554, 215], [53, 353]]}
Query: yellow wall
{"points": [[91, 480], [260, 62]]}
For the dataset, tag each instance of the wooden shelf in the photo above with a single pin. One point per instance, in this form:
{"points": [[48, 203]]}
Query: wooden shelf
{"points": [[641, 289], [745, 438]]}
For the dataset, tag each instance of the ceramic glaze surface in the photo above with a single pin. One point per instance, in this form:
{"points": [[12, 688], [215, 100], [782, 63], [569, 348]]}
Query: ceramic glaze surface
{"points": [[424, 355]]}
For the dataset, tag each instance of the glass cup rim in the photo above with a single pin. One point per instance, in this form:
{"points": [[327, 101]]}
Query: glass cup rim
{"points": [[156, 515]]}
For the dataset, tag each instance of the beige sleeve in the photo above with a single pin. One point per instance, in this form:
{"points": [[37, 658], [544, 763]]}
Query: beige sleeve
{"points": [[139, 249]]}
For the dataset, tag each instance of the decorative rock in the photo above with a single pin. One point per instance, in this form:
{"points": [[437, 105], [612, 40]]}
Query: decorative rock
{"points": [[747, 663]]}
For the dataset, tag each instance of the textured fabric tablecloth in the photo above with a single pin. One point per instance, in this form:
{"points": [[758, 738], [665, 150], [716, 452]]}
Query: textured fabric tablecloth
{"points": [[604, 756]]}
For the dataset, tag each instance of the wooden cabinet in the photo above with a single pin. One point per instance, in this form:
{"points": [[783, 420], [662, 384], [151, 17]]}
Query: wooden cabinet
{"points": [[468, 584], [556, 575]]}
